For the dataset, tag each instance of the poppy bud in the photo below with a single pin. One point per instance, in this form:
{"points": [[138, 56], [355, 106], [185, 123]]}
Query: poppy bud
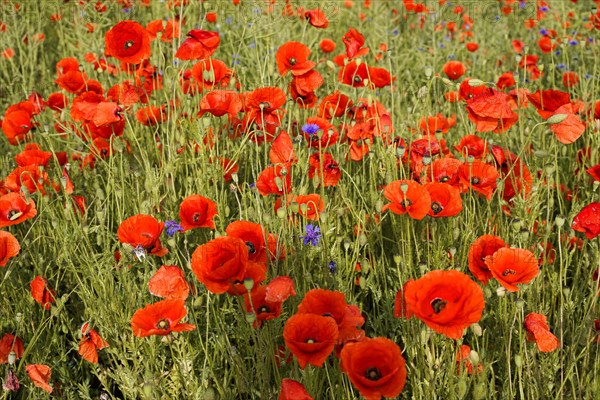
{"points": [[362, 239], [479, 391], [461, 388], [248, 284], [501, 291], [397, 259], [559, 220], [148, 389], [475, 82], [476, 328], [12, 357], [250, 318], [281, 212], [428, 71], [557, 119]]}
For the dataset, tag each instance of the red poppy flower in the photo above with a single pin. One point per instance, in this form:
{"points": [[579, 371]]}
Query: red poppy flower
{"points": [[41, 293], [319, 133], [253, 235], [282, 150], [354, 41], [40, 376], [310, 337], [293, 56], [220, 263], [17, 122], [594, 172], [255, 272], [169, 282], [356, 75], [199, 45], [211, 74], [478, 176], [588, 220], [516, 175], [220, 102], [275, 179], [30, 177], [90, 343], [506, 81], [375, 367], [570, 79], [306, 84], [481, 248], [317, 18], [492, 112], [454, 69], [512, 266], [463, 360], [151, 115], [443, 170], [472, 46], [279, 289], [439, 123], [327, 45], [310, 206], [447, 301], [548, 101], [128, 41], [333, 304], [9, 247], [142, 232], [539, 332], [325, 168], [33, 155], [445, 200], [472, 145], [263, 309], [10, 343], [334, 105], [14, 209], [293, 390], [407, 197], [160, 318], [197, 211], [566, 125]]}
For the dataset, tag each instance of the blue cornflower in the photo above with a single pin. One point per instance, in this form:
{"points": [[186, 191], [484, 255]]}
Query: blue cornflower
{"points": [[310, 129], [544, 32], [313, 235], [172, 227], [561, 66], [544, 8], [573, 42], [332, 267]]}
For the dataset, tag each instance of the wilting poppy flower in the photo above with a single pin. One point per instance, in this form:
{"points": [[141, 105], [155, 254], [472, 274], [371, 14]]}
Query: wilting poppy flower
{"points": [[9, 247], [293, 390], [478, 176], [310, 337], [197, 211], [481, 248], [447, 301], [220, 263], [142, 232], [539, 332], [14, 209], [253, 235], [454, 69], [407, 197], [282, 150], [293, 56], [566, 125], [279, 289], [160, 318], [128, 41], [10, 343], [90, 343], [445, 199], [40, 376], [41, 292], [199, 45], [492, 112], [354, 41], [463, 359], [324, 167], [275, 179], [169, 282], [512, 266], [375, 367], [588, 220], [333, 304]]}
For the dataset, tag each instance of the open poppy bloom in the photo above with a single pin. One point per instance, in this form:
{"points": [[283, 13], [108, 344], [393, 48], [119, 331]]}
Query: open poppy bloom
{"points": [[275, 179], [512, 266], [41, 292], [539, 332], [354, 41], [17, 122], [492, 112], [445, 200], [30, 177], [169, 282], [375, 367], [197, 211], [253, 235], [333, 304], [14, 209], [447, 301], [317, 18], [90, 343], [33, 155], [40, 375], [478, 176], [220, 263], [334, 105], [548, 101], [128, 41], [10, 343], [310, 337], [160, 319], [454, 69], [293, 390], [439, 123], [566, 125], [325, 168], [282, 150], [199, 45], [443, 170], [9, 247], [293, 56], [481, 248], [221, 102], [588, 220], [211, 73], [264, 309], [280, 289], [407, 196], [142, 232]]}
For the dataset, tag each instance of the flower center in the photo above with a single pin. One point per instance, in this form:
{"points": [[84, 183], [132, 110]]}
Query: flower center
{"points": [[406, 203], [264, 104], [444, 179], [310, 341], [292, 61], [438, 305], [475, 180], [196, 217], [509, 272], [436, 207], [163, 324], [357, 79], [128, 44], [264, 309], [373, 374], [251, 248], [14, 215]]}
